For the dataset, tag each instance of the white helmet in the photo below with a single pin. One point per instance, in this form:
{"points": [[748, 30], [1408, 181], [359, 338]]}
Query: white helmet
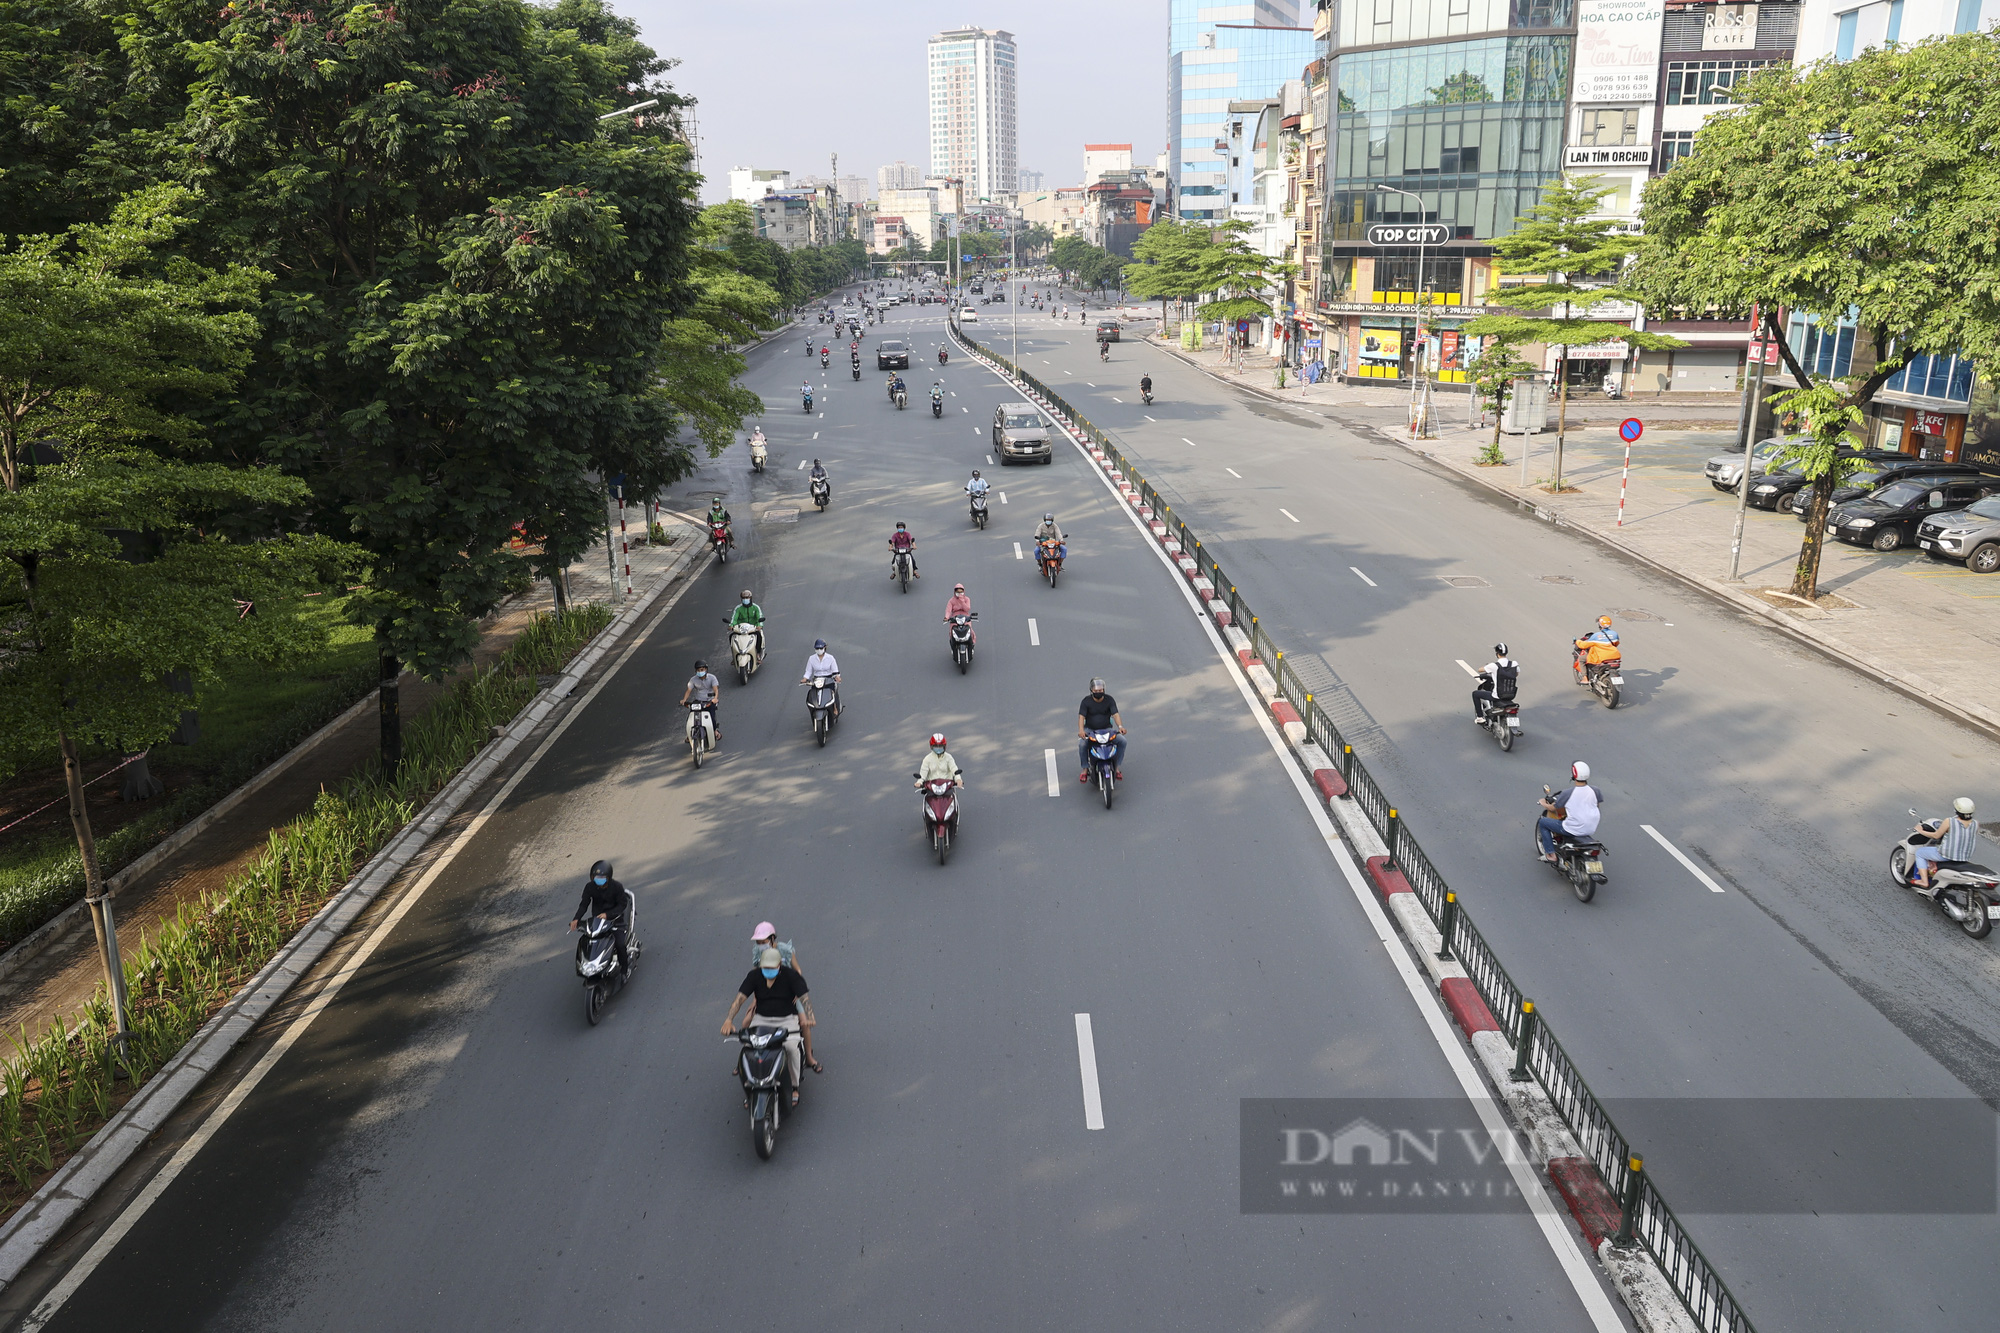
{"points": [[1580, 771], [1963, 805]]}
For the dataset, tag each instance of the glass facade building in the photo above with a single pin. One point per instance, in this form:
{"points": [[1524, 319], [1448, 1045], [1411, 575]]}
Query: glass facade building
{"points": [[1218, 54], [1461, 105]]}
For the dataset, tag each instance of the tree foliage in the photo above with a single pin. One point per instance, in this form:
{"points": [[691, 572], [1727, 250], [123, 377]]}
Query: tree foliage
{"points": [[1867, 189]]}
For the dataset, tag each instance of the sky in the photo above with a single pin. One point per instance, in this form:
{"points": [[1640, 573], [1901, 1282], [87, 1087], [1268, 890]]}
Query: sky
{"points": [[785, 84]]}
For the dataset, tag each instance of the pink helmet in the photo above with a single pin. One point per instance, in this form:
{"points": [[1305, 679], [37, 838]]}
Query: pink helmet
{"points": [[765, 930]]}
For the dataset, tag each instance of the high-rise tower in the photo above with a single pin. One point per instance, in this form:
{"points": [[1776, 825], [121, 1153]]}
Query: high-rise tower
{"points": [[972, 100]]}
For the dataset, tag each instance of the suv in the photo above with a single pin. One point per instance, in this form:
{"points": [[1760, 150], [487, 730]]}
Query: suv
{"points": [[1879, 475], [892, 354], [1107, 330], [1971, 536], [1889, 517], [1021, 435], [1782, 486], [1725, 470]]}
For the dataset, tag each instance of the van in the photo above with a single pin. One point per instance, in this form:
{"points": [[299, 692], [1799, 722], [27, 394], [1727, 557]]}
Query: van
{"points": [[1021, 435]]}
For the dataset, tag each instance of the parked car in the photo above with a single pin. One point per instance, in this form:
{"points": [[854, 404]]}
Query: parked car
{"points": [[1021, 435], [892, 354], [1782, 485], [1867, 482], [1725, 470], [1107, 330], [1889, 517], [1971, 536]]}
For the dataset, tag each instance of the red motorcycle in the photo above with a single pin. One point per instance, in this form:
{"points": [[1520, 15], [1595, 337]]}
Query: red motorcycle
{"points": [[1049, 555], [940, 814], [718, 537]]}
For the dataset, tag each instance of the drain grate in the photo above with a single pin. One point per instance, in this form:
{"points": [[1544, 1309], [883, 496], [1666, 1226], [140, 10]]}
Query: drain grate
{"points": [[1559, 578], [1465, 581], [781, 515]]}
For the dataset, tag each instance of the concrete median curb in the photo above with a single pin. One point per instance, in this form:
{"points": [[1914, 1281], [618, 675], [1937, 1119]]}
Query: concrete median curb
{"points": [[66, 1193]]}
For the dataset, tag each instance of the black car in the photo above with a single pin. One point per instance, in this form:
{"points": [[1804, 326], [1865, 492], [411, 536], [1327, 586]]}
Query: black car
{"points": [[1107, 330], [1888, 518], [1782, 487], [1872, 479], [892, 354]]}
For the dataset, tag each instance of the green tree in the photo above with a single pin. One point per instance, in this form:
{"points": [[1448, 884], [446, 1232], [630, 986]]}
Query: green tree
{"points": [[1865, 189], [1494, 372], [125, 580], [1575, 254], [1167, 263]]}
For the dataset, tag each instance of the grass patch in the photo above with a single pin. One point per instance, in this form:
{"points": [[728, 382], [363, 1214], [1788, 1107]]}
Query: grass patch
{"points": [[61, 1089]]}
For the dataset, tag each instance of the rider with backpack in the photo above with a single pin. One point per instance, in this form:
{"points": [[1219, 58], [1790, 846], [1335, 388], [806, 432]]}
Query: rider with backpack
{"points": [[1499, 682]]}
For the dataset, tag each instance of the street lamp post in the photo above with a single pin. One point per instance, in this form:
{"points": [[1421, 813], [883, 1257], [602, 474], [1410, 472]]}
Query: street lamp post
{"points": [[1417, 375]]}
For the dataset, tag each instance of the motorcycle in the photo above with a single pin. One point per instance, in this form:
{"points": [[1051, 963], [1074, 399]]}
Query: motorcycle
{"points": [[758, 453], [961, 639], [856, 368], [1601, 678], [943, 356], [1103, 747], [808, 403], [979, 512], [903, 562], [1104, 351], [902, 399], [820, 699], [700, 732], [824, 360], [767, 1082], [743, 652], [1049, 556], [1578, 860], [1502, 720], [1965, 892], [821, 493], [597, 962], [940, 814], [718, 538], [937, 405], [1147, 396]]}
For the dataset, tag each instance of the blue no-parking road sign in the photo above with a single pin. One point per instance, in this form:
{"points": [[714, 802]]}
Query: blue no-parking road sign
{"points": [[1631, 428]]}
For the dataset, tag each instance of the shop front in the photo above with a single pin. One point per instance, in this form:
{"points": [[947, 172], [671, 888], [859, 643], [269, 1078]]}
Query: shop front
{"points": [[1922, 432]]}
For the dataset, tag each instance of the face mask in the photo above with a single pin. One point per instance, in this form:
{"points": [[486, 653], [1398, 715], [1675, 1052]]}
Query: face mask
{"points": [[746, 601], [600, 880], [770, 973]]}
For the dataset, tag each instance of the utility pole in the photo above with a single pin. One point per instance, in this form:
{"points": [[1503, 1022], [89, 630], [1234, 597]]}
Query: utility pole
{"points": [[1753, 401]]}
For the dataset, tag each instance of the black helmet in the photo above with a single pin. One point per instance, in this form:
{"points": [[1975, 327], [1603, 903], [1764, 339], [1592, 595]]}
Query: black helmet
{"points": [[700, 665], [1499, 650], [601, 868]]}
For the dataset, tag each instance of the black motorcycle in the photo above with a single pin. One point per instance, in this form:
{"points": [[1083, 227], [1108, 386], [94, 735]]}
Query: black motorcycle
{"points": [[961, 639], [821, 493], [597, 963], [821, 700], [979, 512], [766, 1077], [937, 405], [1147, 396], [1578, 860]]}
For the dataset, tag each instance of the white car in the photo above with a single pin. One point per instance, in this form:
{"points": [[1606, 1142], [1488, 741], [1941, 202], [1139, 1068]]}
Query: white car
{"points": [[968, 316]]}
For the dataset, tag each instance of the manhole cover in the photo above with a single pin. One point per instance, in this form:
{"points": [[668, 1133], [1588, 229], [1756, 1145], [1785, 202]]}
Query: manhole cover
{"points": [[1633, 613], [1558, 578], [1465, 581], [781, 515]]}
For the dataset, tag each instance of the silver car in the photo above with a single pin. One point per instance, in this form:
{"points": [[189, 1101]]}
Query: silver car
{"points": [[1970, 536], [1724, 471], [1021, 435]]}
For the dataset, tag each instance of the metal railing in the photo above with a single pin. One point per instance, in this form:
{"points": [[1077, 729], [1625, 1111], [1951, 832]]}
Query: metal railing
{"points": [[1646, 1219]]}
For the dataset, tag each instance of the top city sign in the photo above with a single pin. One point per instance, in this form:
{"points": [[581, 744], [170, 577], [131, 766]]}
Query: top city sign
{"points": [[1409, 233]]}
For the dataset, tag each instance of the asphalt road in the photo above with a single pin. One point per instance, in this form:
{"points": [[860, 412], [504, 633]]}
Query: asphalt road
{"points": [[1783, 775], [451, 1146]]}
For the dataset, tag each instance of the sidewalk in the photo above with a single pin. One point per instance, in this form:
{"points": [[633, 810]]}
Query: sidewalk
{"points": [[1924, 625], [58, 981]]}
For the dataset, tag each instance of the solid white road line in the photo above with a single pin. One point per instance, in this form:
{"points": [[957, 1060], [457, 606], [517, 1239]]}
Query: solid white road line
{"points": [[116, 1232], [1017, 551], [1363, 577], [1234, 473], [1034, 633], [1086, 1059], [1049, 759], [1467, 669], [1288, 513], [1681, 856]]}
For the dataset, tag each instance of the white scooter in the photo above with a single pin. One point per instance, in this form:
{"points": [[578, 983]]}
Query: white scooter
{"points": [[700, 732], [758, 453], [1965, 892], [745, 652]]}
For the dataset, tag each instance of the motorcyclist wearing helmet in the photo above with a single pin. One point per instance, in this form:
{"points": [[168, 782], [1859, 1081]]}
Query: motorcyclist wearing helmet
{"points": [[978, 485], [822, 663], [1574, 814], [747, 612], [1048, 530], [939, 764], [818, 473], [1602, 634], [1099, 712], [960, 605], [717, 514], [607, 900], [705, 688], [896, 385], [765, 936], [1954, 839], [1146, 385], [1498, 679], [901, 542]]}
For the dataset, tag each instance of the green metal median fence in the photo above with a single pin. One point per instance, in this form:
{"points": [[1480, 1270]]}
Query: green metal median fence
{"points": [[1653, 1224]]}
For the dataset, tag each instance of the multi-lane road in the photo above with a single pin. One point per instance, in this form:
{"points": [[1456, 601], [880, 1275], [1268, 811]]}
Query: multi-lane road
{"points": [[450, 1146]]}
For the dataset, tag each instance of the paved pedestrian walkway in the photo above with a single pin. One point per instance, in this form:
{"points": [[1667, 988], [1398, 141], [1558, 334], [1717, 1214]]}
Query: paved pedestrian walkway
{"points": [[58, 981], [1923, 624]]}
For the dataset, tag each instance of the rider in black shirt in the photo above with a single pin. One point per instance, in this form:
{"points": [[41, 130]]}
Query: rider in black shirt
{"points": [[1099, 712], [604, 896]]}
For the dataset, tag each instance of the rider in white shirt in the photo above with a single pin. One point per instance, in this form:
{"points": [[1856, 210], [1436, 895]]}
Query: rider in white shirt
{"points": [[821, 663], [978, 485]]}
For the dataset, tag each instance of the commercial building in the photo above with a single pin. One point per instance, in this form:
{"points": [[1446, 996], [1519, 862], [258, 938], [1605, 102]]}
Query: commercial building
{"points": [[885, 233], [898, 175], [1259, 188], [1062, 211], [917, 209], [1104, 161], [749, 184], [972, 89], [1844, 28], [1217, 54], [786, 218]]}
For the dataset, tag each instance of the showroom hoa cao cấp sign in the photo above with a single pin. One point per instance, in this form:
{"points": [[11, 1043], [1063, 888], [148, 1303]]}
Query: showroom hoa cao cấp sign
{"points": [[1618, 49]]}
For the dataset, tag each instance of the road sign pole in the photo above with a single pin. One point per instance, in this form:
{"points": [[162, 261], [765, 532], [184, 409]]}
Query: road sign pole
{"points": [[1629, 430]]}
